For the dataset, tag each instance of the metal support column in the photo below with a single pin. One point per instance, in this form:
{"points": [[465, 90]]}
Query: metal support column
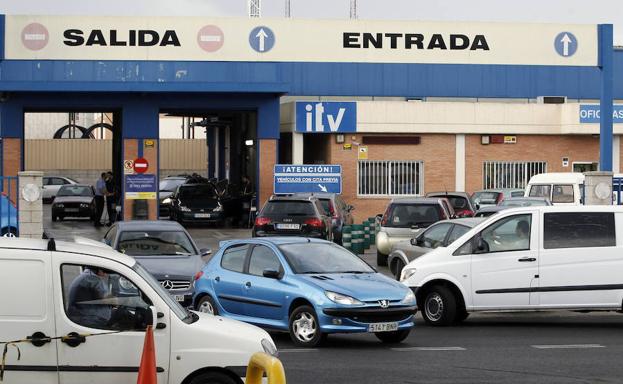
{"points": [[605, 102]]}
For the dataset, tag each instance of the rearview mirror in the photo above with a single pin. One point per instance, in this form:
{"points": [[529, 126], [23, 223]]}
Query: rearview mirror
{"points": [[271, 274], [205, 252], [481, 246]]}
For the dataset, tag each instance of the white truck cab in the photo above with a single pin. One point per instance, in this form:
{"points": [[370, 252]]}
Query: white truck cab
{"points": [[46, 290], [561, 188], [525, 259]]}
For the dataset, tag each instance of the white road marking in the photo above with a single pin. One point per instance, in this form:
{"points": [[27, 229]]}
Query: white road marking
{"points": [[568, 346], [409, 349], [294, 350]]}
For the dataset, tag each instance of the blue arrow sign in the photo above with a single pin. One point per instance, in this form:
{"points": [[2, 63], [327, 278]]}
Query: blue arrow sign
{"points": [[566, 44], [261, 39], [307, 178]]}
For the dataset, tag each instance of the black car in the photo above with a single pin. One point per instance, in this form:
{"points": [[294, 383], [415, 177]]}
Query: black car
{"points": [[196, 203], [74, 200], [293, 216], [336, 208], [167, 187]]}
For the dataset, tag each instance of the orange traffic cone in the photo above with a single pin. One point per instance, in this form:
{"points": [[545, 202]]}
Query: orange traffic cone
{"points": [[147, 369]]}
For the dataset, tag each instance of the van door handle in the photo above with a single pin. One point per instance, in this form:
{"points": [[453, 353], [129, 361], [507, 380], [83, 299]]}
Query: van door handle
{"points": [[39, 339], [73, 339], [527, 259]]}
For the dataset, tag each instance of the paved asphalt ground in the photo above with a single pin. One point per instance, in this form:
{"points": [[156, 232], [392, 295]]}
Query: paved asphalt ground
{"points": [[557, 347]]}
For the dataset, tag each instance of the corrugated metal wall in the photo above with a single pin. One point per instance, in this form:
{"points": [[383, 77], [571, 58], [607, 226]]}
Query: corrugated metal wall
{"points": [[43, 154]]}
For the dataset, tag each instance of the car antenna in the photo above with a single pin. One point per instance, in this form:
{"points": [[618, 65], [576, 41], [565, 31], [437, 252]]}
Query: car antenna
{"points": [[51, 245]]}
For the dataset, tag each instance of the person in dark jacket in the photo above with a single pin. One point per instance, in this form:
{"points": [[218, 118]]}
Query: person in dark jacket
{"points": [[111, 198], [84, 292]]}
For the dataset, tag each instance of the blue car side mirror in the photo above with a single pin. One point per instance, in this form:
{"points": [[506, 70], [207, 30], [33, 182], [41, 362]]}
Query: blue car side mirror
{"points": [[271, 274]]}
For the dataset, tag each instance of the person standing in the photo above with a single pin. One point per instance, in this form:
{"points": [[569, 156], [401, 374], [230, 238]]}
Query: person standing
{"points": [[100, 189], [111, 198]]}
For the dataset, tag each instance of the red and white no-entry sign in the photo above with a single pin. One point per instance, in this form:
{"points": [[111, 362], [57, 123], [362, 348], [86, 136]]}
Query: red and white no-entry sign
{"points": [[210, 38], [141, 165]]}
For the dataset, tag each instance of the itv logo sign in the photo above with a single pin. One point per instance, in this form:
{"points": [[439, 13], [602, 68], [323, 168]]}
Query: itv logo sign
{"points": [[326, 117]]}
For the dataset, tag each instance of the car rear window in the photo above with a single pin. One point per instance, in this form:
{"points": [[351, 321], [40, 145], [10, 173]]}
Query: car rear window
{"points": [[412, 215], [197, 192], [73, 190], [486, 197], [458, 202], [289, 207]]}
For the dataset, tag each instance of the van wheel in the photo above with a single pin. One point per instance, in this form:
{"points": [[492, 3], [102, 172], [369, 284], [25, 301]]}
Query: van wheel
{"points": [[398, 269], [440, 307], [381, 259], [207, 305], [304, 327], [213, 378], [461, 316], [393, 337]]}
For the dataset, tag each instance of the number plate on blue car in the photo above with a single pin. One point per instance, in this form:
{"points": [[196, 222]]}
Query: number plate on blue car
{"points": [[383, 327]]}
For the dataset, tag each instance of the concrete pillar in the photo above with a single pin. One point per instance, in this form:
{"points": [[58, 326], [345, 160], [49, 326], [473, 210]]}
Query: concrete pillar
{"points": [[459, 163], [616, 154], [30, 213], [297, 148], [598, 188]]}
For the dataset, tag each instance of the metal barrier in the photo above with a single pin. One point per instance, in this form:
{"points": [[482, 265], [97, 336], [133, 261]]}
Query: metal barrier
{"points": [[261, 363], [366, 234], [347, 237], [373, 230], [357, 241], [9, 206]]}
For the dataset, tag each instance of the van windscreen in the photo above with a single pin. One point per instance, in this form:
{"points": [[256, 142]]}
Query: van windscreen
{"points": [[540, 191]]}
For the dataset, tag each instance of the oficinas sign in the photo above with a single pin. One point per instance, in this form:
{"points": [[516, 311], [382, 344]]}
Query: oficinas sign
{"points": [[114, 38]]}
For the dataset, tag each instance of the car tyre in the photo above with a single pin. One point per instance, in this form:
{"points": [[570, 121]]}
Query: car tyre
{"points": [[398, 269], [394, 337], [305, 328], [381, 259], [213, 378], [207, 305], [440, 307], [461, 316]]}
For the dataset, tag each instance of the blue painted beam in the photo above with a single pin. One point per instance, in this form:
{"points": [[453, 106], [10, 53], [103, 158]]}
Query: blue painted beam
{"points": [[606, 97]]}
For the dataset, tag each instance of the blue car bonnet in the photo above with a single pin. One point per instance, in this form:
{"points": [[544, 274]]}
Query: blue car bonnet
{"points": [[361, 286]]}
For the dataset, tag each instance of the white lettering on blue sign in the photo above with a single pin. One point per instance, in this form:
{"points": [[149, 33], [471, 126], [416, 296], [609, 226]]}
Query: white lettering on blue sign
{"points": [[326, 117], [307, 178], [590, 114]]}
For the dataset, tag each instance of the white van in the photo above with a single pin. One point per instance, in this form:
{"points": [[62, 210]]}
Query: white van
{"points": [[48, 289], [529, 258], [561, 188]]}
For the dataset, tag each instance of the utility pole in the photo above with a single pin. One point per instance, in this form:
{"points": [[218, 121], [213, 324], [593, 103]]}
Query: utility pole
{"points": [[288, 9], [255, 8], [353, 9]]}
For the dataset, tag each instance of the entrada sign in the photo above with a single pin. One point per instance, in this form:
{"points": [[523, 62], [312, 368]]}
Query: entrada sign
{"points": [[285, 40], [326, 117]]}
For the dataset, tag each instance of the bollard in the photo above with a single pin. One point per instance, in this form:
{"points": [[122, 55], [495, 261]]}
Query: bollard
{"points": [[357, 239], [373, 230], [366, 235], [347, 237]]}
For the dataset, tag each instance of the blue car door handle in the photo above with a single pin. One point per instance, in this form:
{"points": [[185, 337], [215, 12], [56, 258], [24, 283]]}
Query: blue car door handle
{"points": [[217, 279], [248, 284]]}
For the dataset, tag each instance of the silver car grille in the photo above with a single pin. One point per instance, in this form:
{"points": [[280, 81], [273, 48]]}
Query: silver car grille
{"points": [[175, 285]]}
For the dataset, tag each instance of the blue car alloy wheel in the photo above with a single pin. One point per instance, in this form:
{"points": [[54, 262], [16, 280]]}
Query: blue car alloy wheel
{"points": [[309, 288]]}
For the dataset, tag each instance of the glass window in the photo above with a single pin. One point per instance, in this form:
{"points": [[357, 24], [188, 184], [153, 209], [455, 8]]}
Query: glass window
{"points": [[486, 197], [75, 190], [47, 181], [233, 258], [155, 243], [562, 194], [412, 215], [434, 236], [517, 194], [457, 231], [289, 207], [263, 258], [98, 298], [389, 178], [578, 230], [508, 234], [58, 181], [510, 174], [110, 236], [327, 258], [540, 191]]}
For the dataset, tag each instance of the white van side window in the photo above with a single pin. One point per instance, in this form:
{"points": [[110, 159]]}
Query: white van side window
{"points": [[579, 230], [540, 191], [508, 234], [562, 194], [98, 298]]}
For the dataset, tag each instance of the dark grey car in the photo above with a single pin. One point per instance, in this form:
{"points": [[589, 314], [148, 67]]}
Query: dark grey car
{"points": [[440, 234], [165, 249], [337, 209]]}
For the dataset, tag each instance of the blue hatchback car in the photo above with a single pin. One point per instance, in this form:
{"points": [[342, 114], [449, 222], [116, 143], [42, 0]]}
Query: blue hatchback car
{"points": [[307, 287]]}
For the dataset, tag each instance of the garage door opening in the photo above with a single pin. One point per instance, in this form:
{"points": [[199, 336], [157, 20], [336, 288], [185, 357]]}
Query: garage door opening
{"points": [[214, 155], [74, 147]]}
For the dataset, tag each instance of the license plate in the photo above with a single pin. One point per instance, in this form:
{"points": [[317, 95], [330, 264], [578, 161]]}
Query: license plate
{"points": [[202, 215], [72, 210], [178, 297], [383, 327], [288, 226]]}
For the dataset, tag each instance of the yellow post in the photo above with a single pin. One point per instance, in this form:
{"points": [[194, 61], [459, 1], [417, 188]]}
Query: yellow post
{"points": [[261, 362]]}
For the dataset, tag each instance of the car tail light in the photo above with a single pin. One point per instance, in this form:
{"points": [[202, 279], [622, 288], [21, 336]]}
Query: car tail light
{"points": [[499, 199], [198, 275], [260, 221], [314, 222], [466, 213]]}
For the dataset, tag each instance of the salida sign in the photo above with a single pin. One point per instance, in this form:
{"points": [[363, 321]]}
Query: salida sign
{"points": [[115, 38]]}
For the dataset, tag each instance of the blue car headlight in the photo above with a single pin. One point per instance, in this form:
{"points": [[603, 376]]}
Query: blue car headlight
{"points": [[409, 298], [342, 299]]}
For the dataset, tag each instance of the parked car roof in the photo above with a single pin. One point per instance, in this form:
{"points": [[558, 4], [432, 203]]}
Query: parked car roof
{"points": [[415, 200], [276, 240], [557, 177], [148, 225], [448, 193]]}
